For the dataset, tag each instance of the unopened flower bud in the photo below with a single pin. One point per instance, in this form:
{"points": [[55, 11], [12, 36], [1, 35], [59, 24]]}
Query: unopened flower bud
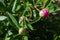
{"points": [[23, 31], [22, 17], [43, 13]]}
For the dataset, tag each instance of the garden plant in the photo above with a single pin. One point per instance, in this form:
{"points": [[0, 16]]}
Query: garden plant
{"points": [[29, 20]]}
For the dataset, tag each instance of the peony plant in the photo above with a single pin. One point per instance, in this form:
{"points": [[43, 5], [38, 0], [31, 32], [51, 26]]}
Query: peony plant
{"points": [[29, 20]]}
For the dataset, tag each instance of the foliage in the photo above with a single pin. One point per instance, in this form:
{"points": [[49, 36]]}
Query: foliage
{"points": [[20, 20]]}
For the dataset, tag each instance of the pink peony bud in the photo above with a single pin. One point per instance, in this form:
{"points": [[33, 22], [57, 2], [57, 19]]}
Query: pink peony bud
{"points": [[43, 13]]}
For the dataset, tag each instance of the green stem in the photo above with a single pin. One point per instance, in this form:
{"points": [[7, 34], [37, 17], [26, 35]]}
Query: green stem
{"points": [[35, 20], [24, 12], [14, 6]]}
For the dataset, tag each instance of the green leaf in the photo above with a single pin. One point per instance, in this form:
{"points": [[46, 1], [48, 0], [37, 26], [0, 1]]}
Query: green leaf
{"points": [[25, 37], [29, 26], [18, 7], [44, 1], [14, 21], [1, 0], [24, 23], [14, 6], [55, 37], [8, 34], [51, 7], [3, 18]]}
